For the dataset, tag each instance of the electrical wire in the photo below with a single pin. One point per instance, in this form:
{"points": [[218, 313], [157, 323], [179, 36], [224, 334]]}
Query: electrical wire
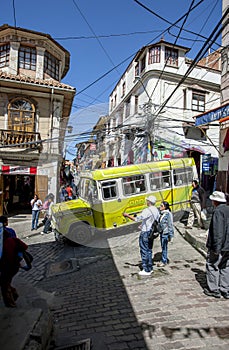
{"points": [[92, 30]]}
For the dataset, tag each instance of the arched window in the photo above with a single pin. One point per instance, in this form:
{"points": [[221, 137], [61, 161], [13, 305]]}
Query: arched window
{"points": [[21, 115]]}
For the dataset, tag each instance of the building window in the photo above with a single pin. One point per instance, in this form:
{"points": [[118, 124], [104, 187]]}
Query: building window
{"points": [[115, 100], [27, 58], [171, 57], [143, 64], [51, 66], [137, 70], [4, 55], [127, 108], [21, 115], [155, 54], [198, 101], [135, 104], [123, 89]]}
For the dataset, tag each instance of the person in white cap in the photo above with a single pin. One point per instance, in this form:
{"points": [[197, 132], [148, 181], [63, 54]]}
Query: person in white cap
{"points": [[217, 263], [147, 217]]}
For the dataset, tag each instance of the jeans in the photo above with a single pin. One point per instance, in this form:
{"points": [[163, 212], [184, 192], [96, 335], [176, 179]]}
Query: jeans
{"points": [[164, 248], [47, 226], [217, 271], [146, 251], [35, 217]]}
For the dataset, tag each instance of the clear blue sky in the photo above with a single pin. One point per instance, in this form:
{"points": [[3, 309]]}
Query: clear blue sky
{"points": [[102, 34]]}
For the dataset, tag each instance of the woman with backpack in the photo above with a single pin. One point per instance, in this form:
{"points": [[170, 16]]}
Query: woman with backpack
{"points": [[166, 231]]}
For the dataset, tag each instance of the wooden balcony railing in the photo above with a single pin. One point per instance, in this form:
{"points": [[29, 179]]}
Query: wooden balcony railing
{"points": [[20, 139]]}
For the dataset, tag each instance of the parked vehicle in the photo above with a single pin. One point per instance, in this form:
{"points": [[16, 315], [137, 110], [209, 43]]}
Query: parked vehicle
{"points": [[104, 194]]}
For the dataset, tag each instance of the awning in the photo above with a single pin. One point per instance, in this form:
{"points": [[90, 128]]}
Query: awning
{"points": [[220, 113], [13, 170]]}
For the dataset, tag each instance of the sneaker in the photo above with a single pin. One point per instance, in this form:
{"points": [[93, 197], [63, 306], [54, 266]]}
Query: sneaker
{"points": [[42, 233], [160, 264], [212, 294], [144, 273], [225, 295], [188, 227]]}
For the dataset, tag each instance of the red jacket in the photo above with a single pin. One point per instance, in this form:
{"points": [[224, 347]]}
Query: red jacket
{"points": [[10, 261]]}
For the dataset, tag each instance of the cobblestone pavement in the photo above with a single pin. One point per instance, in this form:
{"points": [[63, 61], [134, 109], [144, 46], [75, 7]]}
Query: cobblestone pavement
{"points": [[98, 295]]}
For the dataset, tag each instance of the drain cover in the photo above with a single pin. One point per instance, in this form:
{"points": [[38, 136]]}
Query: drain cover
{"points": [[60, 267], [80, 345]]}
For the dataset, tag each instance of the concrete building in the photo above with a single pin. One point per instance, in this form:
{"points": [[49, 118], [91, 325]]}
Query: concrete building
{"points": [[220, 114], [152, 108], [34, 112], [223, 175]]}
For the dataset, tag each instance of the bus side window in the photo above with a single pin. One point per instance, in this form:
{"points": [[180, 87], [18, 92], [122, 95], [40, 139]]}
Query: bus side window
{"points": [[182, 176], [109, 189], [155, 181], [140, 184], [166, 179], [133, 184]]}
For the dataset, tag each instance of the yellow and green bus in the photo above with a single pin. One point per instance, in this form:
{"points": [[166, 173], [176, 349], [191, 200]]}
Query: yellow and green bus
{"points": [[104, 194]]}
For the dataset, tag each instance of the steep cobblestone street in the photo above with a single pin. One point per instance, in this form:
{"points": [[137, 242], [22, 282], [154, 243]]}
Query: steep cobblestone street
{"points": [[96, 294]]}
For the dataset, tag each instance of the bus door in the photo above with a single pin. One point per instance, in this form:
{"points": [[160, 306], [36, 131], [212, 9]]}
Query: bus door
{"points": [[182, 179], [111, 209]]}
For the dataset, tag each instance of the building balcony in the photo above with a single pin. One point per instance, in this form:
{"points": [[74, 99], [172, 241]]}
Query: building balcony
{"points": [[20, 139]]}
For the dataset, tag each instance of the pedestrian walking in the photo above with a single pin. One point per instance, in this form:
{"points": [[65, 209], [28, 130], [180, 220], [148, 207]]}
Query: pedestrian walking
{"points": [[147, 217], [197, 203], [4, 221], [9, 266], [36, 205], [47, 226], [166, 231], [69, 191], [217, 263]]}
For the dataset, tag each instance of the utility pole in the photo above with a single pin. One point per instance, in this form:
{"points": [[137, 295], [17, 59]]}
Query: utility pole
{"points": [[149, 123], [149, 128]]}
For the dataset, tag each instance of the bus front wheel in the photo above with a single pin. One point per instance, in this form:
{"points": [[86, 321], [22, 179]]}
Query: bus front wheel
{"points": [[80, 234]]}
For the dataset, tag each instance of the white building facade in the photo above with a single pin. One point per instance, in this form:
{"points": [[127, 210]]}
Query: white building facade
{"points": [[152, 108]]}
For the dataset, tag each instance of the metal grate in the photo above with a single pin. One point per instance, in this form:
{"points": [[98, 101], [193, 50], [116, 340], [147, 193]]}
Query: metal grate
{"points": [[84, 344]]}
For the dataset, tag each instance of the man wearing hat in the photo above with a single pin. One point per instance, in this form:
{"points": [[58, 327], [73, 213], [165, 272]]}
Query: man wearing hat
{"points": [[147, 217], [217, 264]]}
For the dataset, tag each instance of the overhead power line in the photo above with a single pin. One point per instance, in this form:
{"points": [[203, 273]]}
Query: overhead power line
{"points": [[213, 36]]}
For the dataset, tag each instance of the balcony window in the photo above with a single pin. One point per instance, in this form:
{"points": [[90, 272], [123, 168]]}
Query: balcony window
{"points": [[171, 57], [51, 66], [27, 58], [198, 101], [21, 115], [4, 55], [155, 54]]}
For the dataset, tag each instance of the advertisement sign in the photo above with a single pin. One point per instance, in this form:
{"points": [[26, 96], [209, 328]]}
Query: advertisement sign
{"points": [[211, 116], [14, 170]]}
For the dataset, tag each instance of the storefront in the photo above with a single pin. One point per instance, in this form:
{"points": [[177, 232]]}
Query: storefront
{"points": [[17, 187]]}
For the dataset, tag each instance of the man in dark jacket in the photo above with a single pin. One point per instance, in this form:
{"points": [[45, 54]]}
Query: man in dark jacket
{"points": [[197, 203], [217, 264]]}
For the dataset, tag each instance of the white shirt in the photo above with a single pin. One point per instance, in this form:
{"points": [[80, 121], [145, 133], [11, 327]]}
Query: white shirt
{"points": [[36, 205], [147, 217]]}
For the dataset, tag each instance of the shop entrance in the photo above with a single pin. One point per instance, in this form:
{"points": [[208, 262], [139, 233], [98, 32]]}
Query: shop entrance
{"points": [[18, 190]]}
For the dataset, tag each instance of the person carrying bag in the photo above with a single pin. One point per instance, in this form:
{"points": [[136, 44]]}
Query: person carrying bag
{"points": [[166, 231]]}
